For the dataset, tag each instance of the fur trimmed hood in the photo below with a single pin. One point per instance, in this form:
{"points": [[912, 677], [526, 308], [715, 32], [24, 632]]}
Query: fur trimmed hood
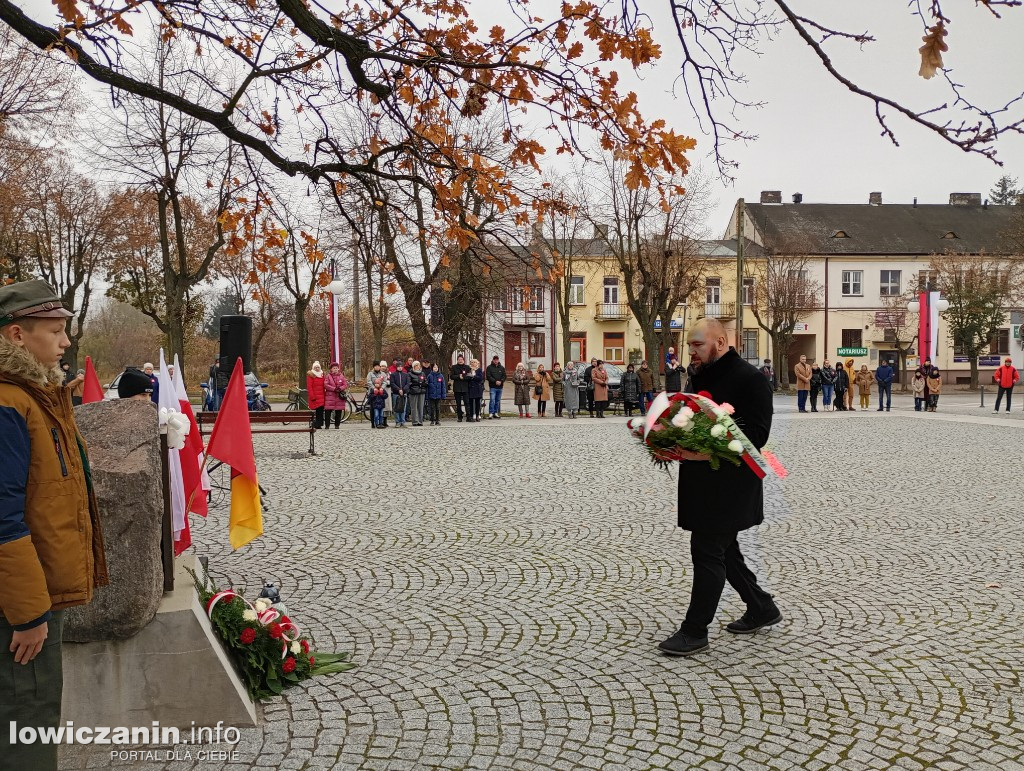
{"points": [[19, 366]]}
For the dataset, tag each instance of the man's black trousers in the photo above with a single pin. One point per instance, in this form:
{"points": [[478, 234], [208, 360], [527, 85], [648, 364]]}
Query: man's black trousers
{"points": [[717, 559]]}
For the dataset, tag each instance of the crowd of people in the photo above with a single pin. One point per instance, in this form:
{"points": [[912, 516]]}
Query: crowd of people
{"points": [[835, 385], [411, 393]]}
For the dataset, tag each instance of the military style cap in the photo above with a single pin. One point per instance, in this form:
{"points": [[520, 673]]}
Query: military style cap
{"points": [[30, 299]]}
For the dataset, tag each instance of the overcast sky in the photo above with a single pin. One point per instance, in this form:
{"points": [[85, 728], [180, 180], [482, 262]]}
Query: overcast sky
{"points": [[817, 138]]}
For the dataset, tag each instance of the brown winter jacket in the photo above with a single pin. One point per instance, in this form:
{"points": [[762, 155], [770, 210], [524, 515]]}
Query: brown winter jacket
{"points": [[646, 379], [51, 546], [544, 381], [803, 376], [864, 381]]}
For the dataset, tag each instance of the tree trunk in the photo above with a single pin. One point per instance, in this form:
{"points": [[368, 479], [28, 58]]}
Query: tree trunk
{"points": [[778, 352], [974, 372], [651, 340], [302, 327], [903, 368], [564, 320]]}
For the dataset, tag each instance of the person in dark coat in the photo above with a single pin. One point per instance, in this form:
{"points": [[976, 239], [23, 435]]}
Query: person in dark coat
{"points": [[399, 395], [437, 391], [588, 381], [716, 505], [474, 391], [843, 385], [496, 377], [460, 377], [673, 377]]}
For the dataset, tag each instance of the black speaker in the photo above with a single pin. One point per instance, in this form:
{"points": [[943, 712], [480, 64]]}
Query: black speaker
{"points": [[235, 341]]}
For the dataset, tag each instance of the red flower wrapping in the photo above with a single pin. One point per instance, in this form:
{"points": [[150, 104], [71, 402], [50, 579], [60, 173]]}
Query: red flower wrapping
{"points": [[289, 665], [305, 646], [248, 635], [705, 394], [275, 631]]}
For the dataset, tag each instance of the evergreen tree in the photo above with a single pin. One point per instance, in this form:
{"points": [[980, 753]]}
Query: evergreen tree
{"points": [[1005, 191]]}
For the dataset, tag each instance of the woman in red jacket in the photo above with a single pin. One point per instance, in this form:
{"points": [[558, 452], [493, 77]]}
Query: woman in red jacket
{"points": [[1005, 377], [315, 392]]}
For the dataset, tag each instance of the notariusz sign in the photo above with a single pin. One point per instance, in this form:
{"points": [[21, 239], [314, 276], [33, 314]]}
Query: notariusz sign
{"points": [[851, 351]]}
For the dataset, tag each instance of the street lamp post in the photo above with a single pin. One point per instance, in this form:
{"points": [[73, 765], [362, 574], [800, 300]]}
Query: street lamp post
{"points": [[928, 306], [335, 288]]}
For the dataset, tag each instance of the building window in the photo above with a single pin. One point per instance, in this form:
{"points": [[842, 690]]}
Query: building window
{"points": [[578, 346], [1000, 343], [889, 335], [889, 283], [615, 347], [501, 300], [576, 290], [750, 345], [748, 291], [536, 298], [928, 281], [611, 290], [713, 291], [536, 345], [853, 282], [853, 338], [797, 275]]}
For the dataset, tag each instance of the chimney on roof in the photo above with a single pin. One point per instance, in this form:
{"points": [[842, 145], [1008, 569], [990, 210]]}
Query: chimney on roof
{"points": [[915, 201], [875, 199], [798, 197], [771, 196], [600, 231], [965, 199]]}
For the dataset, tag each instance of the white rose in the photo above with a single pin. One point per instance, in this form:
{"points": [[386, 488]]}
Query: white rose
{"points": [[296, 647], [249, 615], [261, 605], [687, 412], [735, 446], [681, 421], [717, 430]]}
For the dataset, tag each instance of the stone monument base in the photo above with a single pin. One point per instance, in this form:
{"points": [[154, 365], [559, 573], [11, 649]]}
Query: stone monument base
{"points": [[175, 671]]}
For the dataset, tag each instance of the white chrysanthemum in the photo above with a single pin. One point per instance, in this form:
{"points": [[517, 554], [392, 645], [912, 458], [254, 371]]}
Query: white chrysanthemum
{"points": [[717, 430], [261, 605], [687, 412], [249, 615], [735, 446], [296, 647]]}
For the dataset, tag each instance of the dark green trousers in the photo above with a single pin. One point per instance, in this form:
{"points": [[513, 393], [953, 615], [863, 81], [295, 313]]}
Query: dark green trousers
{"points": [[30, 695]]}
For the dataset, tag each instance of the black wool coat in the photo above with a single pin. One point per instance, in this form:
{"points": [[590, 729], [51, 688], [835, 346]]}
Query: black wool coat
{"points": [[732, 498]]}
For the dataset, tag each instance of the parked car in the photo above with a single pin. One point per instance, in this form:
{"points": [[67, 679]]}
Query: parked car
{"points": [[110, 390], [614, 378]]}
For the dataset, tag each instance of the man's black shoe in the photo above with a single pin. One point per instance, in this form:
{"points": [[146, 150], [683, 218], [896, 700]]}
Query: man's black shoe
{"points": [[749, 624], [681, 644]]}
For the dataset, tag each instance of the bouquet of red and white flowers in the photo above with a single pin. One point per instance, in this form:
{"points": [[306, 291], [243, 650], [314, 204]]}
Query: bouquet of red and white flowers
{"points": [[267, 646], [693, 422]]}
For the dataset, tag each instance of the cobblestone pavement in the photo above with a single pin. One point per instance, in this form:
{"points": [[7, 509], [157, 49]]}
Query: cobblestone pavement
{"points": [[503, 586]]}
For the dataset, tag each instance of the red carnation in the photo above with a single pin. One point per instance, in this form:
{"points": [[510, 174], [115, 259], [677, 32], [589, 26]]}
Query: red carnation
{"points": [[289, 665], [312, 661], [285, 620], [275, 631], [705, 394], [305, 646], [248, 635]]}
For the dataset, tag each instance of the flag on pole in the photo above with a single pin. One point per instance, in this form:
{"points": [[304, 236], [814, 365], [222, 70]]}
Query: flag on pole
{"points": [[169, 402], [92, 391], [231, 443], [192, 455]]}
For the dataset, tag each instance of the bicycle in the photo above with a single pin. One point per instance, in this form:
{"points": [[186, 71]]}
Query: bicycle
{"points": [[298, 400]]}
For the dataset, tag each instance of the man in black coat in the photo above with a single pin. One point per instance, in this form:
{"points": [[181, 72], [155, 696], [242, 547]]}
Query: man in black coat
{"points": [[460, 375], [496, 377], [588, 379], [716, 505]]}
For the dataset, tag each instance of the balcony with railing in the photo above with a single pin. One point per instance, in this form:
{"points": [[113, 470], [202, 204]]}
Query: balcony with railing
{"points": [[517, 317], [611, 311], [717, 310]]}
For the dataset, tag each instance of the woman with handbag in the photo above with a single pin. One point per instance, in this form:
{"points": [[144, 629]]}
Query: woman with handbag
{"points": [[335, 402], [475, 391], [557, 389], [542, 390], [315, 393], [522, 380]]}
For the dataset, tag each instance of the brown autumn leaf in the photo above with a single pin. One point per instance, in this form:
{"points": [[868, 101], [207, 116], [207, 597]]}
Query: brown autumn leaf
{"points": [[932, 50]]}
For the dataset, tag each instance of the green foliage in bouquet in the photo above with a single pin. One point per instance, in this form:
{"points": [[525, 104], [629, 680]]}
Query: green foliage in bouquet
{"points": [[268, 652], [692, 430]]}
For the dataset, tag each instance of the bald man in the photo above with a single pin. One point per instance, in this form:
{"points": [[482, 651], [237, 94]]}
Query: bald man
{"points": [[716, 505]]}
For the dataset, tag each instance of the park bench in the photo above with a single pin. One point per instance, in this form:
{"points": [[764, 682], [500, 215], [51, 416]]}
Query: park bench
{"points": [[300, 422]]}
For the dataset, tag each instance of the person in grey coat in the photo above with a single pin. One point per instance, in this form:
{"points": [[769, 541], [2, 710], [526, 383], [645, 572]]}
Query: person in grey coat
{"points": [[573, 379]]}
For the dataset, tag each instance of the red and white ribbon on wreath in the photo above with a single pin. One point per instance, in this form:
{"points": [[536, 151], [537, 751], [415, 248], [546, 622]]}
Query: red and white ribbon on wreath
{"points": [[289, 630]]}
